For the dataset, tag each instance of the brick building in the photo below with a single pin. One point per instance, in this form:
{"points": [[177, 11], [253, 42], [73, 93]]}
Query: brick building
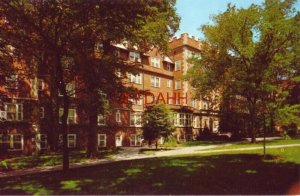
{"points": [[24, 106]]}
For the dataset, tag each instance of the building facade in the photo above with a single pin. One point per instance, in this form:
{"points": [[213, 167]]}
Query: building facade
{"points": [[25, 106]]}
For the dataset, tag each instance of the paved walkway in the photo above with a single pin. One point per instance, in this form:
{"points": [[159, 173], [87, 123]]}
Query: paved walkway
{"points": [[133, 154]]}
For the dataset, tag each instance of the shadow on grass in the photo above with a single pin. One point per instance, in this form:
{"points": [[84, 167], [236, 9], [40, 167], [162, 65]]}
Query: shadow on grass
{"points": [[218, 174], [53, 159]]}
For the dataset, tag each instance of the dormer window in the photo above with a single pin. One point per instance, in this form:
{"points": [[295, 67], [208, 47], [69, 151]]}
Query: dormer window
{"points": [[135, 56], [155, 62], [12, 81]]}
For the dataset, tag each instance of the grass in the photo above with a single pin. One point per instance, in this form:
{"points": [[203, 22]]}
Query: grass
{"points": [[246, 144], [51, 159], [214, 173]]}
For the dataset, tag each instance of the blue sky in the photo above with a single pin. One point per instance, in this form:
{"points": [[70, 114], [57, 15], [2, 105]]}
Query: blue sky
{"points": [[195, 13]]}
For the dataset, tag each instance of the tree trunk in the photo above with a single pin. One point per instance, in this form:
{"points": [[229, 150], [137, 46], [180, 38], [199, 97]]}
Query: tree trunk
{"points": [[62, 88], [64, 119], [156, 144], [252, 112], [92, 132]]}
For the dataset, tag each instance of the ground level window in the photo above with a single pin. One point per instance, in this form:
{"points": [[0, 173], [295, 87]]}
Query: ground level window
{"points": [[41, 141], [12, 141], [136, 140], [101, 140], [71, 140], [119, 140]]}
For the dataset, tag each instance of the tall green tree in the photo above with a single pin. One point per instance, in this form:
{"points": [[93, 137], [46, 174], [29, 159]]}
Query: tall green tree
{"points": [[248, 54], [157, 122], [53, 31]]}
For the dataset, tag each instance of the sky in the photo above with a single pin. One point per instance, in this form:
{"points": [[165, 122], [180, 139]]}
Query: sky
{"points": [[195, 13]]}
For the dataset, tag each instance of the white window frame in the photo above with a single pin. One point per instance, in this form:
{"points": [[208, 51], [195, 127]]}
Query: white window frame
{"points": [[196, 121], [101, 119], [18, 114], [136, 119], [169, 67], [69, 142], [155, 61], [12, 81], [99, 140], [39, 141], [178, 65], [3, 115], [11, 142], [169, 83], [117, 52], [118, 116], [135, 56], [205, 105], [61, 110], [40, 85], [155, 81], [135, 78], [70, 88], [136, 140], [183, 119], [121, 140], [177, 84]]}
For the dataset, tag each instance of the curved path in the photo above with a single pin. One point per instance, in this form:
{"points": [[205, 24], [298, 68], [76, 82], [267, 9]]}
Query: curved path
{"points": [[133, 154]]}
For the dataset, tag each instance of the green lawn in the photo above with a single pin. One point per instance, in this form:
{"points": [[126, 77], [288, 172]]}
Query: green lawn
{"points": [[246, 144], [230, 173], [51, 159]]}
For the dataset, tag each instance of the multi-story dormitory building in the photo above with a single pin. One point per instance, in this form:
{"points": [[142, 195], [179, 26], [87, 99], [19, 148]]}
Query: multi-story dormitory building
{"points": [[25, 120]]}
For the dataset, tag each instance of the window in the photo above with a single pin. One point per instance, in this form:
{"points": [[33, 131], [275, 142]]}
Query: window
{"points": [[117, 53], [70, 88], [135, 56], [135, 140], [71, 140], [196, 122], [3, 115], [205, 106], [205, 122], [71, 115], [215, 126], [139, 101], [41, 141], [155, 81], [118, 73], [42, 112], [13, 141], [175, 119], [119, 140], [40, 84], [177, 84], [170, 101], [194, 103], [169, 68], [12, 81], [169, 83], [118, 116], [101, 140], [188, 121], [137, 78], [136, 119], [155, 62], [101, 119], [14, 112], [177, 65], [183, 119]]}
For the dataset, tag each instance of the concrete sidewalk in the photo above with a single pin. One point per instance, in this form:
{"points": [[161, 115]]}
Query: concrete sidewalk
{"points": [[133, 154]]}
